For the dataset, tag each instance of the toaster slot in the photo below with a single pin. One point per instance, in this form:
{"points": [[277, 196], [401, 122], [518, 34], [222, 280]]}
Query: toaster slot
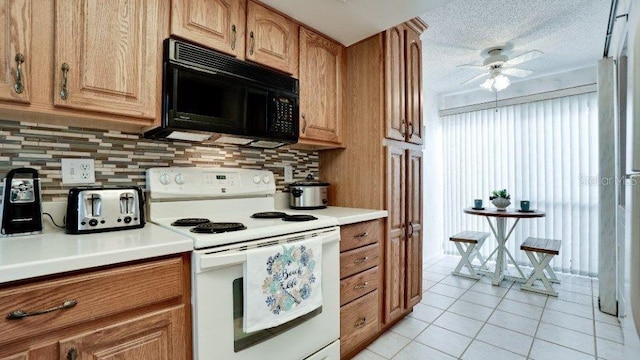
{"points": [[127, 203], [93, 205]]}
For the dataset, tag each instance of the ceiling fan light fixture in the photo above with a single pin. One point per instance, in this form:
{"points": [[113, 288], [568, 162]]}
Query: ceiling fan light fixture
{"points": [[501, 82], [488, 84]]}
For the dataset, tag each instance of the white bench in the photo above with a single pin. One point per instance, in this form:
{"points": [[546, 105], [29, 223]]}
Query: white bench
{"points": [[473, 240], [540, 252]]}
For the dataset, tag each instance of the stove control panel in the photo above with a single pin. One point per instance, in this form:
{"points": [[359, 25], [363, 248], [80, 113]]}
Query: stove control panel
{"points": [[203, 182]]}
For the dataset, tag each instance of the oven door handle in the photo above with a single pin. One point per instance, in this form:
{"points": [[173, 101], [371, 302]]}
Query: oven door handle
{"points": [[206, 262]]}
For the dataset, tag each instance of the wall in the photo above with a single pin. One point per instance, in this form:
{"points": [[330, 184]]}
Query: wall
{"points": [[432, 179], [121, 159]]}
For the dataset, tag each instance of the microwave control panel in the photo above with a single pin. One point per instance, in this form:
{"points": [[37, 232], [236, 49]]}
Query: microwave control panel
{"points": [[284, 116]]}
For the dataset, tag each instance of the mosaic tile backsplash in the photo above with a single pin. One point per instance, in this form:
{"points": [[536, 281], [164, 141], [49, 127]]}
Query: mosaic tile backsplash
{"points": [[121, 159]]}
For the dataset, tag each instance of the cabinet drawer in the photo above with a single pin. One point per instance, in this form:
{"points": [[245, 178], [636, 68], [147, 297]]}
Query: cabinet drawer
{"points": [[358, 321], [354, 261], [360, 234], [357, 285], [98, 294]]}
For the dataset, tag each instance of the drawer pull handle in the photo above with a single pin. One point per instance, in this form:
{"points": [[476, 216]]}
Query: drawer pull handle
{"points": [[360, 322], [233, 37], [360, 260], [361, 286], [19, 314], [18, 87], [64, 93], [72, 354], [364, 234], [253, 43]]}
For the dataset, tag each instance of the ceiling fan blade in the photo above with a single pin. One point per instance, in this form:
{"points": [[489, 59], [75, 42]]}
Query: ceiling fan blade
{"points": [[516, 72], [475, 66], [477, 77], [533, 54]]}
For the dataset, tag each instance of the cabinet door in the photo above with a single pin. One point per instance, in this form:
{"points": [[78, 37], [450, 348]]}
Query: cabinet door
{"points": [[414, 87], [113, 53], [157, 336], [218, 24], [394, 82], [395, 242], [15, 47], [322, 71], [272, 39], [413, 290]]}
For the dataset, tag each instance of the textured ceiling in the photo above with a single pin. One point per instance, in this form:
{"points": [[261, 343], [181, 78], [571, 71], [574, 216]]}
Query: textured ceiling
{"points": [[570, 33], [349, 21]]}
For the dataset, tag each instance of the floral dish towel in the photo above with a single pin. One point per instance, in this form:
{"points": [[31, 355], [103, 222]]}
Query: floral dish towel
{"points": [[281, 283]]}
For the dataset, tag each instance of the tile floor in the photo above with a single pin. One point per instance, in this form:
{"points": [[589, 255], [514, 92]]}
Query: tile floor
{"points": [[472, 319]]}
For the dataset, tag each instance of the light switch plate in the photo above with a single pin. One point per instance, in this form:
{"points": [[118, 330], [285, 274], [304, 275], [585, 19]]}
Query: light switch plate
{"points": [[78, 171]]}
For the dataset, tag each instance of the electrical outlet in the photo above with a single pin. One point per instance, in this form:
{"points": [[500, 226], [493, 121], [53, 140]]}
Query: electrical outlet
{"points": [[78, 171], [288, 174]]}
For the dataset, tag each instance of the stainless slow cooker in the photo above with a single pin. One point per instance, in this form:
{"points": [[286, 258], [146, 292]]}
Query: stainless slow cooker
{"points": [[308, 194]]}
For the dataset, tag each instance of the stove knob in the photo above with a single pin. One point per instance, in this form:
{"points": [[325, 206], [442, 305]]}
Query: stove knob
{"points": [[164, 179], [266, 179], [256, 179], [179, 179], [93, 222], [127, 219]]}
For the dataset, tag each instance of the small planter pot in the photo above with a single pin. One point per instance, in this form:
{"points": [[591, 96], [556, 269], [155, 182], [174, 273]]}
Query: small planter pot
{"points": [[501, 203]]}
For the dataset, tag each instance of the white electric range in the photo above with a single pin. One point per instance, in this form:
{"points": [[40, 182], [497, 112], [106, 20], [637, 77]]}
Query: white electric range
{"points": [[229, 213]]}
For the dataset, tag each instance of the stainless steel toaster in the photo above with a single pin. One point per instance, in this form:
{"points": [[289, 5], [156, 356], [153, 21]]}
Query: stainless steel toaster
{"points": [[97, 209]]}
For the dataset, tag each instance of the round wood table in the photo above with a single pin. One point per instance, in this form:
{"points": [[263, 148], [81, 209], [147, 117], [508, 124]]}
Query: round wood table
{"points": [[501, 234]]}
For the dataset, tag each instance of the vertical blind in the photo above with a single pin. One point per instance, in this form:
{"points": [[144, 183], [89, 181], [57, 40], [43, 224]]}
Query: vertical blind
{"points": [[545, 152]]}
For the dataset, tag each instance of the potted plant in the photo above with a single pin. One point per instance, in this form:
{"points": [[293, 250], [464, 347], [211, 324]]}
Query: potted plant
{"points": [[500, 199]]}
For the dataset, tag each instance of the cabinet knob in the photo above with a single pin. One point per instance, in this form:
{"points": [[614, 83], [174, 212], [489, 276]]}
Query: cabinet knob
{"points": [[411, 227], [64, 93], [18, 86], [410, 128], [403, 127], [362, 235]]}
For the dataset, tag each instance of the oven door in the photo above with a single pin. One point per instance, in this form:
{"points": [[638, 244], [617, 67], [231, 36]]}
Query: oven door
{"points": [[217, 299]]}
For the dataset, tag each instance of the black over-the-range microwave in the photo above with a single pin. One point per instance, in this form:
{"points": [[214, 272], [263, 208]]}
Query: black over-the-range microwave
{"points": [[207, 94]]}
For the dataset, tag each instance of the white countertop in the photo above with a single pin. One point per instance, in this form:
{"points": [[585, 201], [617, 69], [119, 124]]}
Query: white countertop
{"points": [[344, 215], [54, 251]]}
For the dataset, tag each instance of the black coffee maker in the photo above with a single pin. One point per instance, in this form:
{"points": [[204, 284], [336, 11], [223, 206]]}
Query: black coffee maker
{"points": [[21, 207]]}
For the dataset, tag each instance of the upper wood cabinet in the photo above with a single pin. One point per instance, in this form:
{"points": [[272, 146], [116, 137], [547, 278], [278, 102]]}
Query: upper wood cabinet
{"points": [[218, 24], [394, 81], [403, 82], [272, 39], [322, 76], [108, 55], [15, 47], [413, 69]]}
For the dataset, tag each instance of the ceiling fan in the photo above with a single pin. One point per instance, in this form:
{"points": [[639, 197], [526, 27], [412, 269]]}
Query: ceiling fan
{"points": [[497, 67]]}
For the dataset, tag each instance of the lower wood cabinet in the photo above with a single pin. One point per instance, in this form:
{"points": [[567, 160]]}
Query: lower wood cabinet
{"points": [[360, 275], [135, 312]]}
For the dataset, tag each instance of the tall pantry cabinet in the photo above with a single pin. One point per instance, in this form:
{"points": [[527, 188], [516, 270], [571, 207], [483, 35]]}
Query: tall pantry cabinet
{"points": [[381, 165]]}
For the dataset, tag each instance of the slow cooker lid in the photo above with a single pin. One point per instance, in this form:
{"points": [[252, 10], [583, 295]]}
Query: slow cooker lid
{"points": [[309, 181]]}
